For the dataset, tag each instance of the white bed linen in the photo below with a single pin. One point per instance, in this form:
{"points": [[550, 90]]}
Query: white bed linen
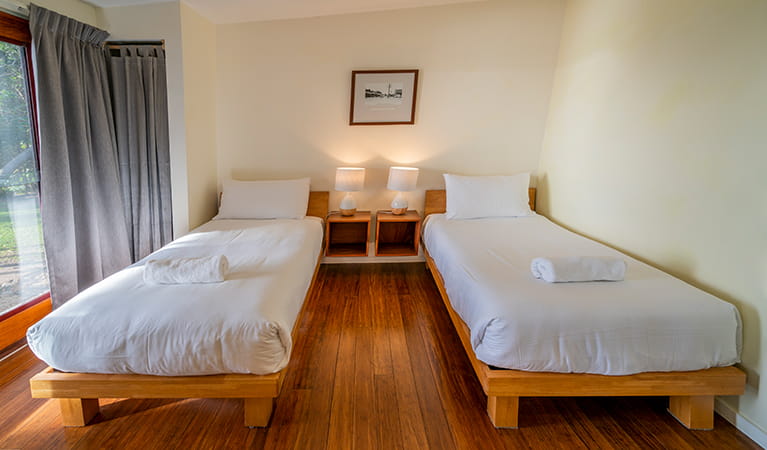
{"points": [[241, 325], [651, 321]]}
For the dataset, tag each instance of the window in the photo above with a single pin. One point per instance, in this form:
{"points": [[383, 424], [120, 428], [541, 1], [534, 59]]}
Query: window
{"points": [[23, 272]]}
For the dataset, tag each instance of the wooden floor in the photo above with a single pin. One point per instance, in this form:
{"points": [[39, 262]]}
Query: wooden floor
{"points": [[377, 365]]}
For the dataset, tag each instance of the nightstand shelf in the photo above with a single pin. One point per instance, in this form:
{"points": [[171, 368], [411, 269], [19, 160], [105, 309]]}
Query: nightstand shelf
{"points": [[347, 235], [395, 249], [346, 250], [397, 235]]}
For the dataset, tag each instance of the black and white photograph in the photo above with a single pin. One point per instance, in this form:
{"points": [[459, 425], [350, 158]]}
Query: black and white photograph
{"points": [[383, 97], [383, 93]]}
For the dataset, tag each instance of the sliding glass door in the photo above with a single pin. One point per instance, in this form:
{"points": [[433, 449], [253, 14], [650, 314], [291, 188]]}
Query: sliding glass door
{"points": [[23, 273]]}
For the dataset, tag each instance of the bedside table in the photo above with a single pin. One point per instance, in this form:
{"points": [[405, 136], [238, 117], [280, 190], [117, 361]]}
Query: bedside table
{"points": [[347, 235], [397, 235]]}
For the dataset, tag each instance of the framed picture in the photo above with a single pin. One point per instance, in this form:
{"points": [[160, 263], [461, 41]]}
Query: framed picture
{"points": [[383, 97]]}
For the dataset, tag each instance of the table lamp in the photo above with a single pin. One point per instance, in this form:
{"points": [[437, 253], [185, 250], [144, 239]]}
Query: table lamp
{"points": [[349, 179], [401, 179]]}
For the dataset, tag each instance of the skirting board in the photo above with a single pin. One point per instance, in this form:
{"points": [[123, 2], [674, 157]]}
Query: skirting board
{"points": [[741, 423]]}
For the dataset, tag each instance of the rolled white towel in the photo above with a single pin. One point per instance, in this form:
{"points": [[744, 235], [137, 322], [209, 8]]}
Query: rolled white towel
{"points": [[208, 269], [578, 268]]}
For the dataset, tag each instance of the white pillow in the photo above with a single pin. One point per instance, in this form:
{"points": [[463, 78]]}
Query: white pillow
{"points": [[488, 196], [277, 199]]}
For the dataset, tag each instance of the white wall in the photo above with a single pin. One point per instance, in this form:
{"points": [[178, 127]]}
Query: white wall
{"points": [[486, 68], [75, 9], [155, 22], [199, 50], [656, 143]]}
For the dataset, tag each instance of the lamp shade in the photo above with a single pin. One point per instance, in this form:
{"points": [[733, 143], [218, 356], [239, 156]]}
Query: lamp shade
{"points": [[402, 179], [350, 179]]}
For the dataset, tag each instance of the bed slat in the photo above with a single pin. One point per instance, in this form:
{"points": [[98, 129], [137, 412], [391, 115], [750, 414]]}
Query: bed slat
{"points": [[53, 384]]}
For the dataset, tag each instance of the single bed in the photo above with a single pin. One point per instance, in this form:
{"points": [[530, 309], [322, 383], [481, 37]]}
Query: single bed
{"points": [[125, 338], [648, 335]]}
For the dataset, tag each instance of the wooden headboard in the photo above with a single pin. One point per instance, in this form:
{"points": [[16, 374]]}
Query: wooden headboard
{"points": [[317, 206], [435, 201]]}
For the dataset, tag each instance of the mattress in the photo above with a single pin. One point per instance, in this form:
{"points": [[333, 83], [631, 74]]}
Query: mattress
{"points": [[648, 322], [123, 325]]}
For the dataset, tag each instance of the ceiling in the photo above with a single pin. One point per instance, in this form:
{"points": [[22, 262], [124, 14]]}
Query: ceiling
{"points": [[232, 11]]}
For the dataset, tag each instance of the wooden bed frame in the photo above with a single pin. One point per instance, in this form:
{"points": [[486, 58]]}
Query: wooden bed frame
{"points": [[78, 393], [691, 394]]}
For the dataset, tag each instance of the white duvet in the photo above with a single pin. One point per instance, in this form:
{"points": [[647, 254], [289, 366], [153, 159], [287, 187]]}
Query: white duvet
{"points": [[651, 321], [242, 325]]}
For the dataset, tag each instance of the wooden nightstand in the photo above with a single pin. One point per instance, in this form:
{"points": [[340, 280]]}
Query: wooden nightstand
{"points": [[347, 235], [397, 235]]}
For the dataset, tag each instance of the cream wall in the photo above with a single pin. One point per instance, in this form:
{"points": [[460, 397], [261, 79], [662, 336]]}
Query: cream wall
{"points": [[656, 143], [75, 9], [199, 53], [486, 70], [155, 22]]}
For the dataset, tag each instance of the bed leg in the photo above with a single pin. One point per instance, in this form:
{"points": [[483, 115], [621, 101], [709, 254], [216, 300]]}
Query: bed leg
{"points": [[696, 412], [258, 411], [77, 412], [503, 411]]}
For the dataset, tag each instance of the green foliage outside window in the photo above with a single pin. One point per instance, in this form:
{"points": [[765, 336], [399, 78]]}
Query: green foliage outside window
{"points": [[18, 173], [23, 275]]}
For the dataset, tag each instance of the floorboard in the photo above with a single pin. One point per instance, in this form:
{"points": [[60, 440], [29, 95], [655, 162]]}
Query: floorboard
{"points": [[376, 364]]}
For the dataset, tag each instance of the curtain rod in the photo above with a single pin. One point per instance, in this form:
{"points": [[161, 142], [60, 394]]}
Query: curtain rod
{"points": [[119, 43]]}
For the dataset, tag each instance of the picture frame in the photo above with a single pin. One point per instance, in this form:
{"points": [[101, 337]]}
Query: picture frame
{"points": [[383, 97]]}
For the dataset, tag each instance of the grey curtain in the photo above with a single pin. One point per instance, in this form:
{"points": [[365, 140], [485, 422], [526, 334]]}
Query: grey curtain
{"points": [[84, 226], [140, 102]]}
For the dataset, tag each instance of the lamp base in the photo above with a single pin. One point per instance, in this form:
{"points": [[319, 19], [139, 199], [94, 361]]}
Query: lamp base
{"points": [[399, 204], [348, 205]]}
